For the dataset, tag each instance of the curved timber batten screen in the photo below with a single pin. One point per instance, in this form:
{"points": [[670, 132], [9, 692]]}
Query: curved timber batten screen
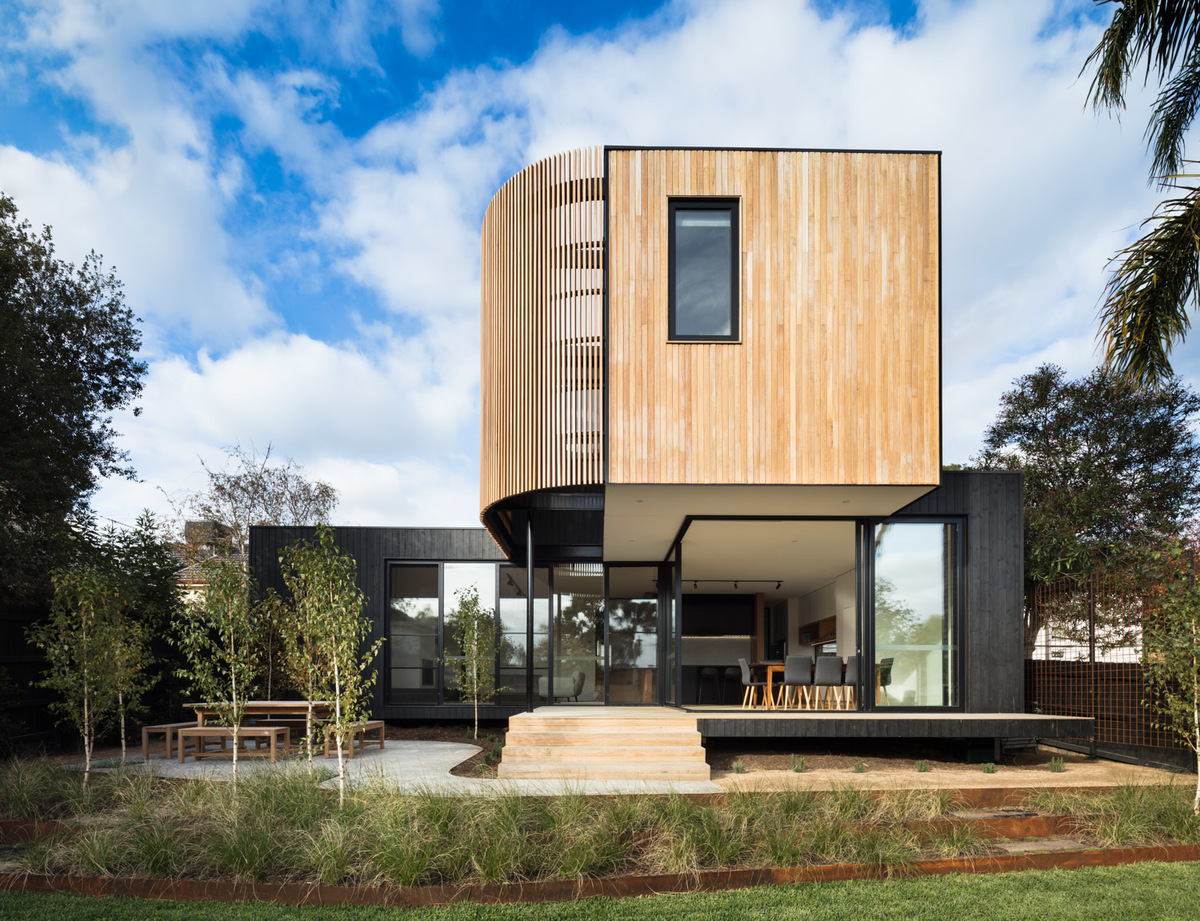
{"points": [[541, 282]]}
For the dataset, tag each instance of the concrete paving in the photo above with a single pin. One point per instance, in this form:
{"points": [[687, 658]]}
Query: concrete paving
{"points": [[419, 767]]}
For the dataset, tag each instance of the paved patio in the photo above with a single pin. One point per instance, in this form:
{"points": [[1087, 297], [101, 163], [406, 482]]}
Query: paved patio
{"points": [[416, 767]]}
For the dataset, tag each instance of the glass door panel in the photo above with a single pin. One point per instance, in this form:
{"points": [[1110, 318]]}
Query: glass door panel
{"points": [[632, 634], [916, 614], [514, 613], [413, 634], [459, 577], [578, 636]]}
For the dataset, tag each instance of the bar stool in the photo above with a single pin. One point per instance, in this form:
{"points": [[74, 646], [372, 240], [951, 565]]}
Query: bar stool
{"points": [[708, 676], [733, 674]]}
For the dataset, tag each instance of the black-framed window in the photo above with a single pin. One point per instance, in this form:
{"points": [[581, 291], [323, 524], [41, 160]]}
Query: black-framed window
{"points": [[703, 270]]}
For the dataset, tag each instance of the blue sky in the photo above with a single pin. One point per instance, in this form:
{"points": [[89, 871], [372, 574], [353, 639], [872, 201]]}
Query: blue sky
{"points": [[292, 192]]}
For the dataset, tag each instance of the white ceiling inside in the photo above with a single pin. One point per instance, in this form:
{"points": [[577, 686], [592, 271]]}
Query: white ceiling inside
{"points": [[640, 522], [757, 555]]}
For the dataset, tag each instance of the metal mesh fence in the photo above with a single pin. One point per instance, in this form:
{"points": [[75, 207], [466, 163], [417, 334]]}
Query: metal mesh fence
{"points": [[1084, 653]]}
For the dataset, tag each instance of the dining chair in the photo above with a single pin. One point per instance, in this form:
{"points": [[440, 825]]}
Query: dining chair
{"points": [[883, 677], [752, 686], [797, 677], [827, 679], [849, 695]]}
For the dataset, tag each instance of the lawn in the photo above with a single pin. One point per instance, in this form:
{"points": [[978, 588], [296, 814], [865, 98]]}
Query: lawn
{"points": [[1134, 893]]}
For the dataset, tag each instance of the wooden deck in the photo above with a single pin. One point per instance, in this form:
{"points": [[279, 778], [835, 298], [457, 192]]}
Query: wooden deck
{"points": [[734, 722], [663, 743]]}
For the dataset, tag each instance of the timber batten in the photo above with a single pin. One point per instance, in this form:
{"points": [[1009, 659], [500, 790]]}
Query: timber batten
{"points": [[541, 293], [834, 378]]}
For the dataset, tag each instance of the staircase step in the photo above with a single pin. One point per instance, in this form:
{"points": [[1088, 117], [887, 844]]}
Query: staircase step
{"points": [[642, 771], [603, 745], [620, 739], [586, 754]]}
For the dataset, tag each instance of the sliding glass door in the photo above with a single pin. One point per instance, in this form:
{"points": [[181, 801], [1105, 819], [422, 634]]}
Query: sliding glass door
{"points": [[915, 605]]}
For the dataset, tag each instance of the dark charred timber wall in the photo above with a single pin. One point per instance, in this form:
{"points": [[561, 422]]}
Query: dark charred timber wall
{"points": [[373, 549], [993, 653]]}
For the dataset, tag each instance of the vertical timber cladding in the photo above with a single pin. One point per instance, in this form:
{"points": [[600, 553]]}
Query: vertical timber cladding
{"points": [[835, 379], [540, 293]]}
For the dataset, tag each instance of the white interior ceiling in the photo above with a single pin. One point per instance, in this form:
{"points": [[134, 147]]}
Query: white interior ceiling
{"points": [[797, 556], [640, 522]]}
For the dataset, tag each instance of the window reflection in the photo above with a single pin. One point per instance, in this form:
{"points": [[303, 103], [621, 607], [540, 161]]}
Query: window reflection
{"points": [[915, 598]]}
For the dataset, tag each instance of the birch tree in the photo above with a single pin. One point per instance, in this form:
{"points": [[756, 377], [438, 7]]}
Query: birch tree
{"points": [[222, 642], [77, 640], [329, 652], [474, 670]]}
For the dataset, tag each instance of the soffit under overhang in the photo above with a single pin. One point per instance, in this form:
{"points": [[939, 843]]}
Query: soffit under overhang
{"points": [[640, 522]]}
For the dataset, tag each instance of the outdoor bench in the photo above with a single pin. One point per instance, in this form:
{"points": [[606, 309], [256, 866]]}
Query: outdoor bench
{"points": [[358, 732], [277, 738], [167, 729]]}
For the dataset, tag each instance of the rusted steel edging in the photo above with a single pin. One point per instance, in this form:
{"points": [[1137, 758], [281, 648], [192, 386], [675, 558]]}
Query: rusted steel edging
{"points": [[563, 890]]}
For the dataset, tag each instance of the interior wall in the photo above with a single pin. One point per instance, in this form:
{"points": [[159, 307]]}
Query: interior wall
{"points": [[837, 599]]}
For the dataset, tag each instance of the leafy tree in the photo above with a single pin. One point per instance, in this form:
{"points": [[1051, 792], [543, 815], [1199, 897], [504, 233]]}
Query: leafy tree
{"points": [[1155, 279], [259, 492], [67, 347], [1171, 641], [1110, 468], [328, 648], [473, 670], [120, 585], [221, 638], [77, 640]]}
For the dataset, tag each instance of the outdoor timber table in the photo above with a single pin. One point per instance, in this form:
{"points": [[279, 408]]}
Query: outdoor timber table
{"points": [[294, 709]]}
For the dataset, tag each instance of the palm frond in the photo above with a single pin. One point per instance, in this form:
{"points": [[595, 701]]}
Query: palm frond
{"points": [[1174, 110], [1146, 300], [1161, 32]]}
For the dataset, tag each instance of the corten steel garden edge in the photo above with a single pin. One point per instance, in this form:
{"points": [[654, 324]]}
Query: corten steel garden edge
{"points": [[565, 890]]}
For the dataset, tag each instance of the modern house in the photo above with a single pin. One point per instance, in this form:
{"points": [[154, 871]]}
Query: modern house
{"points": [[711, 430]]}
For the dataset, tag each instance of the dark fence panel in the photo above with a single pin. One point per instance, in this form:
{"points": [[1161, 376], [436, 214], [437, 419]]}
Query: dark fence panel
{"points": [[1084, 658]]}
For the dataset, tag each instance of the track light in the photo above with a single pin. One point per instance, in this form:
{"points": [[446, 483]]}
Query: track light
{"points": [[778, 585]]}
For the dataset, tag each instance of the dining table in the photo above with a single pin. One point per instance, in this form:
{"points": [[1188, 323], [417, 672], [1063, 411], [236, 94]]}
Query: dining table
{"points": [[771, 669], [286, 709]]}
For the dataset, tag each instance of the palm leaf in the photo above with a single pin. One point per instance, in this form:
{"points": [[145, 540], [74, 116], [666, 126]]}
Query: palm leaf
{"points": [[1145, 309], [1161, 32], [1174, 110]]}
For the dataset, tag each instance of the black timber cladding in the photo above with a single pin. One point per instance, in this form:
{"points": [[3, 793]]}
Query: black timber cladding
{"points": [[373, 549], [993, 649], [896, 726]]}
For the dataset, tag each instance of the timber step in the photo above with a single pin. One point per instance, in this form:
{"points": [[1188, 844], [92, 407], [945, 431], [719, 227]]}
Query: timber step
{"points": [[663, 745]]}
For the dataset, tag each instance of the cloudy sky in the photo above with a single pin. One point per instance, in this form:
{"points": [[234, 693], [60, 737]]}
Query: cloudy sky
{"points": [[292, 192]]}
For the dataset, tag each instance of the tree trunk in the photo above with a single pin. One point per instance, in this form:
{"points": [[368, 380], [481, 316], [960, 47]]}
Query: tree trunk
{"points": [[88, 739], [308, 733], [121, 710]]}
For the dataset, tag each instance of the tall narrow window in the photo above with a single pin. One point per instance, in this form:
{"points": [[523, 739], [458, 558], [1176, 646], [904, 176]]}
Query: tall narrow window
{"points": [[702, 268], [916, 614]]}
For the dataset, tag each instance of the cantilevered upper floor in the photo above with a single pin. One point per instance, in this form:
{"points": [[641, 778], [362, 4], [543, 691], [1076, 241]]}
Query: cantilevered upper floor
{"points": [[671, 332]]}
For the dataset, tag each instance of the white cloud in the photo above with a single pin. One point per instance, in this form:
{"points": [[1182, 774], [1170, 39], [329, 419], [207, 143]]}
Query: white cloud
{"points": [[1037, 192]]}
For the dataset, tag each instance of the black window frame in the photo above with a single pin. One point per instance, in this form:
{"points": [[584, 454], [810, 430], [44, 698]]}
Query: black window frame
{"points": [[735, 314]]}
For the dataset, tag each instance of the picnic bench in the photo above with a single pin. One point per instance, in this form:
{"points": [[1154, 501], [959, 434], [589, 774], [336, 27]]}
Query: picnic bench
{"points": [[169, 730], [277, 738], [358, 734]]}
